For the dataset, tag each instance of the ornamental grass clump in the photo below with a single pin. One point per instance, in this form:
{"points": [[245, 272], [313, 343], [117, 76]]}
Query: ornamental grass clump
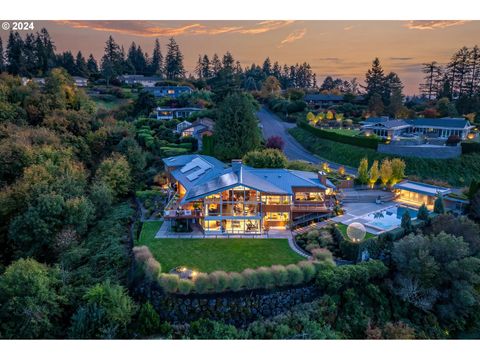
{"points": [[265, 278], [185, 286], [202, 283], [236, 281], [219, 280], [295, 275], [169, 282], [280, 275], [152, 268], [142, 253], [322, 255], [308, 270], [250, 278]]}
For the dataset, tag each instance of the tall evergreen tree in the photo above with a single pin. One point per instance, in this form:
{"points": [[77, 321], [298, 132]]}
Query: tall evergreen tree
{"points": [[112, 60], [156, 64], [206, 73], [92, 67], [81, 66], [236, 130], [433, 72], [374, 78], [174, 61], [15, 58], [267, 67], [199, 68], [45, 50], [216, 65]]}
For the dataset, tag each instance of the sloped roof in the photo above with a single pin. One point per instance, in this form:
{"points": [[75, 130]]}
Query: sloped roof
{"points": [[218, 177], [442, 122]]}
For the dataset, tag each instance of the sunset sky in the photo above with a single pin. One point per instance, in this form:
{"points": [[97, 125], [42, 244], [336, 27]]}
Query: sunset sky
{"points": [[338, 48]]}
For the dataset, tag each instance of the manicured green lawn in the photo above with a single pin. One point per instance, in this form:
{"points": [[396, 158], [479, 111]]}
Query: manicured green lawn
{"points": [[343, 230], [207, 255], [457, 172]]}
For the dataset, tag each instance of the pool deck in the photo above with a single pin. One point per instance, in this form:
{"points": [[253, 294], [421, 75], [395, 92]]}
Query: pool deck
{"points": [[355, 212]]}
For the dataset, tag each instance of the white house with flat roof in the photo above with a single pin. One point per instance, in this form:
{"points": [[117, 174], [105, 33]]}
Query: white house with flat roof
{"points": [[416, 193]]}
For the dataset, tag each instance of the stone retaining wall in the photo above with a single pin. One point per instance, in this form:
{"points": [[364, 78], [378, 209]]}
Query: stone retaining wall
{"points": [[236, 308], [429, 152]]}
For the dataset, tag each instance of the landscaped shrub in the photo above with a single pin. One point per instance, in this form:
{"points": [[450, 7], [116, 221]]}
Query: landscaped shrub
{"points": [[250, 278], [202, 283], [185, 286], [320, 254], [236, 281], [265, 277], [144, 257], [169, 282], [219, 280], [367, 142], [152, 268], [308, 270], [295, 275], [470, 147], [280, 275]]}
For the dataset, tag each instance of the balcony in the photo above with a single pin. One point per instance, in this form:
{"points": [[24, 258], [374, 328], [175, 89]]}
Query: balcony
{"points": [[310, 207], [182, 214]]}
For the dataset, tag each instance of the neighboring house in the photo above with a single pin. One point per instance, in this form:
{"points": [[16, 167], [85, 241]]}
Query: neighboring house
{"points": [[164, 113], [416, 193], [39, 81], [431, 128], [325, 100], [199, 128], [146, 81], [238, 199], [169, 91], [80, 81], [182, 126]]}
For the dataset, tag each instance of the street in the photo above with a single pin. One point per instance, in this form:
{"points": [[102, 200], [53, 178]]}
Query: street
{"points": [[272, 125]]}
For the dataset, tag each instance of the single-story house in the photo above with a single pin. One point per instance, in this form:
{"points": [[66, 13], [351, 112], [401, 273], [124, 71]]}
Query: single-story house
{"points": [[169, 91], [146, 81], [166, 113], [182, 126], [432, 128], [416, 193], [325, 100], [80, 81], [239, 199]]}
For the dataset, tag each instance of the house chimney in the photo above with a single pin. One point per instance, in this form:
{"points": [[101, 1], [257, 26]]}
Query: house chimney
{"points": [[322, 176]]}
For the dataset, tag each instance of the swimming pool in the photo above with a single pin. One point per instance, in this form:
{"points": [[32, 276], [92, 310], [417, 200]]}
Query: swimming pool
{"points": [[388, 218]]}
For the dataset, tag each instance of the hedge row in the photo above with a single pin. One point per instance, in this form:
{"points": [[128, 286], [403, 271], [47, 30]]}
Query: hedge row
{"points": [[220, 281], [362, 141], [470, 147]]}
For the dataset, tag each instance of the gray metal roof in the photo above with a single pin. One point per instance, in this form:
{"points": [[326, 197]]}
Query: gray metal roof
{"points": [[217, 177], [458, 123], [422, 188], [389, 124]]}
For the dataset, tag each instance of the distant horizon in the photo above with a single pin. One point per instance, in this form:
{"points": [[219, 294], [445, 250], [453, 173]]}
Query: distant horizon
{"points": [[342, 49]]}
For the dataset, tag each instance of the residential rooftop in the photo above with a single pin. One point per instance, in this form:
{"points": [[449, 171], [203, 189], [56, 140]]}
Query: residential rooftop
{"points": [[422, 188], [202, 175]]}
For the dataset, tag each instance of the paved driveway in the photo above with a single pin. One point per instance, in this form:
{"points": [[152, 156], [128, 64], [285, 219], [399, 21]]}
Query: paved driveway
{"points": [[272, 125]]}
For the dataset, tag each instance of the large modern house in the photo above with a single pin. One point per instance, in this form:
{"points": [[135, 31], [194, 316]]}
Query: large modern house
{"points": [[239, 199], [432, 128]]}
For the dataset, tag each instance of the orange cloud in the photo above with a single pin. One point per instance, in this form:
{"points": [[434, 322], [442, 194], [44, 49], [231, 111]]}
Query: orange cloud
{"points": [[294, 36], [432, 24], [152, 29]]}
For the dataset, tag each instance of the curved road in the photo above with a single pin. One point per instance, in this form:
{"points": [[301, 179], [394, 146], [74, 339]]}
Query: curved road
{"points": [[272, 125]]}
